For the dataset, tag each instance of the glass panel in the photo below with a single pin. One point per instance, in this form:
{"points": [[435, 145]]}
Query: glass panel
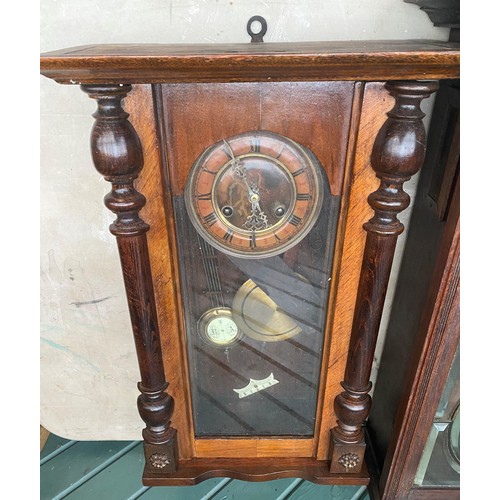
{"points": [[255, 330], [440, 462]]}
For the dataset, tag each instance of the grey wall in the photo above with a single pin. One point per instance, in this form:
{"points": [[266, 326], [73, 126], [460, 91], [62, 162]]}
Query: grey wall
{"points": [[88, 366]]}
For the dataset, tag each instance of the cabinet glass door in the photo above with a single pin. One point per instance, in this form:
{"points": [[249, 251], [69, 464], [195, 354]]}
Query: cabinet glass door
{"points": [[440, 462]]}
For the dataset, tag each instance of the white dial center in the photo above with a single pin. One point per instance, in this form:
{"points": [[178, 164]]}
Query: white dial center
{"points": [[221, 330]]}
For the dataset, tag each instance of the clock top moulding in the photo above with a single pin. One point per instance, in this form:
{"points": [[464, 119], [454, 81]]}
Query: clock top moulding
{"points": [[176, 63], [106, 73]]}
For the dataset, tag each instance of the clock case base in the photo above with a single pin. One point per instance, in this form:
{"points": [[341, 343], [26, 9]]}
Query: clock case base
{"points": [[191, 472]]}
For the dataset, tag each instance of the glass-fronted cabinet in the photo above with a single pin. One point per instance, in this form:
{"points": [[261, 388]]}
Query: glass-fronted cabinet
{"points": [[422, 456], [440, 462]]}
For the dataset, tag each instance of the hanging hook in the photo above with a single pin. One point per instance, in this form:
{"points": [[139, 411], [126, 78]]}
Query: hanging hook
{"points": [[259, 36]]}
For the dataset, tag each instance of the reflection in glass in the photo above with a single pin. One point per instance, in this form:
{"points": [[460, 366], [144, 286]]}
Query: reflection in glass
{"points": [[440, 462], [255, 330]]}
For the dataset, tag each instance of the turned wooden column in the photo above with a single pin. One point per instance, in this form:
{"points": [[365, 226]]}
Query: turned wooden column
{"points": [[117, 155], [398, 154]]}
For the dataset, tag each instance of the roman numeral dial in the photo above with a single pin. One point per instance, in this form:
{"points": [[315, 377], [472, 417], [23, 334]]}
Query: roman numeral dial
{"points": [[294, 220], [210, 219], [256, 194]]}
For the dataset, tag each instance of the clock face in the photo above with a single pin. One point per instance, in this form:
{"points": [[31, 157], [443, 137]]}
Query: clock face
{"points": [[255, 194]]}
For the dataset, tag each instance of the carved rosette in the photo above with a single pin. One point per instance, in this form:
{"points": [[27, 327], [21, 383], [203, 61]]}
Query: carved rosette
{"points": [[159, 460], [349, 460], [398, 153], [117, 155]]}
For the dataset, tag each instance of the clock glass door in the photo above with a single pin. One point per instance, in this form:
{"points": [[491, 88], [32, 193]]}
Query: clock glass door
{"points": [[255, 234]]}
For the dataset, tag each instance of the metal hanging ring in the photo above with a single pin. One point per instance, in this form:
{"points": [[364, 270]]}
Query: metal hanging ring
{"points": [[257, 37]]}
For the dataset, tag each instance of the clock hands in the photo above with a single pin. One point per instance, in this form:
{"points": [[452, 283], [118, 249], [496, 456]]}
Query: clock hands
{"points": [[238, 167], [257, 220]]}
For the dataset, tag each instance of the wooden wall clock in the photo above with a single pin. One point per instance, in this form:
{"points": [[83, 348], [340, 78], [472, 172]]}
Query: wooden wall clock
{"points": [[256, 189]]}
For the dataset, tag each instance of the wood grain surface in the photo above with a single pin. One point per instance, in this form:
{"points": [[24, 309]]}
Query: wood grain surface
{"points": [[162, 258], [354, 212], [255, 469], [212, 112], [257, 447], [44, 435], [398, 153], [435, 348], [118, 156], [313, 61], [416, 272]]}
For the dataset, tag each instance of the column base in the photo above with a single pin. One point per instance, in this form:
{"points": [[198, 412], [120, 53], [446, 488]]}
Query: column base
{"points": [[161, 458], [346, 458]]}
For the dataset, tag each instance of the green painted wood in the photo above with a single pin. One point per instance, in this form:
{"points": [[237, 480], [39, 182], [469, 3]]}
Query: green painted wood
{"points": [[53, 445], [362, 494], [291, 488], [238, 490], [120, 480], [203, 491], [310, 491], [112, 470], [77, 464]]}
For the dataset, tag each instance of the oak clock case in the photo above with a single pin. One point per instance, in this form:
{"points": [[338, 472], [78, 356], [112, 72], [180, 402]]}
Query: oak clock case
{"points": [[256, 227], [256, 271]]}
